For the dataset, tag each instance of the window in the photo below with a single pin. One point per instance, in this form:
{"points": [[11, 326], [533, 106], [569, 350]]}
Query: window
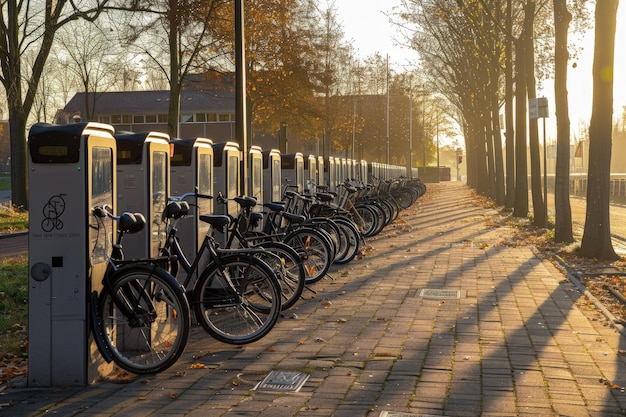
{"points": [[159, 168], [139, 118], [151, 118], [127, 118], [186, 118], [101, 193], [116, 118], [162, 118], [211, 117], [224, 117], [200, 117], [104, 119]]}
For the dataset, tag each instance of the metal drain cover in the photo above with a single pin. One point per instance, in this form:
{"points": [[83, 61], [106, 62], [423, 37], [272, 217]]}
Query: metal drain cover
{"points": [[282, 381], [440, 294], [399, 414]]}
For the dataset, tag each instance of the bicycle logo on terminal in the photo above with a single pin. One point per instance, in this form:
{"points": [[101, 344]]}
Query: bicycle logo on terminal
{"points": [[52, 212]]}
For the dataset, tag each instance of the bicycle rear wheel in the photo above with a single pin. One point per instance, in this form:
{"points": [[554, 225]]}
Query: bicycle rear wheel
{"points": [[289, 269], [238, 301], [352, 240], [314, 250], [154, 335]]}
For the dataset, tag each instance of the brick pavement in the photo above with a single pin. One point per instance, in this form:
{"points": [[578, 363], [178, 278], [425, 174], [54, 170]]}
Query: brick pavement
{"points": [[519, 339]]}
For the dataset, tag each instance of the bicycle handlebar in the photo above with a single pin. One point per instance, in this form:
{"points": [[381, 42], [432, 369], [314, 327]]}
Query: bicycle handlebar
{"points": [[127, 222], [188, 195]]}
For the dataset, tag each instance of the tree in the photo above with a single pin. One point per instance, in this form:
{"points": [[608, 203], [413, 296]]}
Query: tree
{"points": [[178, 37], [596, 241], [563, 217], [89, 56], [539, 209], [30, 27]]}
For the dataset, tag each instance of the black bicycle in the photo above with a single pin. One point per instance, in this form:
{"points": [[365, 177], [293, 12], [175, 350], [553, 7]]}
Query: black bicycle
{"points": [[235, 295], [282, 258], [140, 318]]}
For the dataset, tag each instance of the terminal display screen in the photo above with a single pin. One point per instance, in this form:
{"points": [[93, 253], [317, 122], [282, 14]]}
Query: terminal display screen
{"points": [[54, 149]]}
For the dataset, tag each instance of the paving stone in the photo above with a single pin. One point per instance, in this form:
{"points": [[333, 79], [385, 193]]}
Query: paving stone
{"points": [[515, 343]]}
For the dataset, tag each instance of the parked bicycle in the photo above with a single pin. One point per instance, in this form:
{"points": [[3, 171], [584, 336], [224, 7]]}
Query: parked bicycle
{"points": [[234, 294], [283, 259], [140, 318]]}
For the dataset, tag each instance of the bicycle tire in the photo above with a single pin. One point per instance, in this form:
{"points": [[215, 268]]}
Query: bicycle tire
{"points": [[154, 339], [314, 250], [291, 277], [353, 237], [370, 219], [243, 312], [327, 225]]}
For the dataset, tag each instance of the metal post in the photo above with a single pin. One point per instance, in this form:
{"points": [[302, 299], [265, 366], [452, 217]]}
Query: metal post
{"points": [[241, 111], [545, 173], [387, 152], [438, 176], [410, 134]]}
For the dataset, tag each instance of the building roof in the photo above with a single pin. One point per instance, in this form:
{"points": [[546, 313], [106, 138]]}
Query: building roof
{"points": [[125, 102]]}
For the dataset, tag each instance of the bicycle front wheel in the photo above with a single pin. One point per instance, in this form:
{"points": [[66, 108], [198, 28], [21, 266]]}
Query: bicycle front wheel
{"points": [[145, 321], [237, 301], [314, 250]]}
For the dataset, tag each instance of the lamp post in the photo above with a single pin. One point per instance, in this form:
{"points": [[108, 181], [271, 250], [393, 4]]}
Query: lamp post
{"points": [[241, 121], [410, 173]]}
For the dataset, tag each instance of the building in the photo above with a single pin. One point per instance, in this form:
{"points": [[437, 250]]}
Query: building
{"points": [[209, 114]]}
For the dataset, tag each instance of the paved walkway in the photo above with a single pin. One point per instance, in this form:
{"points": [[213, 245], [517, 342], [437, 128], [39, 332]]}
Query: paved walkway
{"points": [[518, 340]]}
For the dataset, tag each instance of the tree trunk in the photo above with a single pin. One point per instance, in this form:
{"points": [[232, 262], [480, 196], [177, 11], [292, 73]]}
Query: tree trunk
{"points": [[596, 242], [480, 160], [497, 147], [490, 169], [563, 210], [520, 208], [508, 113], [539, 210], [19, 160]]}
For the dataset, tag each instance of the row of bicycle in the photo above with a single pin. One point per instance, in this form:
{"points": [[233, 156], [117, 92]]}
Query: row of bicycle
{"points": [[142, 316]]}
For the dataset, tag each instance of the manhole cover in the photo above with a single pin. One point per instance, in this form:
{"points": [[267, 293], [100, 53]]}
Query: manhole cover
{"points": [[399, 414], [440, 294], [282, 381]]}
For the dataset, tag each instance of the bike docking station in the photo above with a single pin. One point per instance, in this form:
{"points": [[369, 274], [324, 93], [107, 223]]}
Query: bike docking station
{"points": [[320, 171], [292, 167], [226, 175], [363, 172], [191, 169], [72, 168], [255, 175], [255, 181], [330, 174], [272, 176], [310, 173], [143, 186]]}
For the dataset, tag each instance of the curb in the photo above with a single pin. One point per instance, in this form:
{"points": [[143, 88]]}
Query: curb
{"points": [[8, 235], [571, 275]]}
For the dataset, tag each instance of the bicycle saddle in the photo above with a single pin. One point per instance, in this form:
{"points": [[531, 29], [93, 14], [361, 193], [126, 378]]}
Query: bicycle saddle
{"points": [[176, 210], [245, 201], [131, 222], [324, 197], [294, 218], [274, 206], [218, 221], [256, 217]]}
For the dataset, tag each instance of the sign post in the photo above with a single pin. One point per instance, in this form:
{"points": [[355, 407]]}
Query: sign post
{"points": [[538, 109]]}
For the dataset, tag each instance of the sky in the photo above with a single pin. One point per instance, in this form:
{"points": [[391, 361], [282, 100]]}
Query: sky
{"points": [[365, 23]]}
